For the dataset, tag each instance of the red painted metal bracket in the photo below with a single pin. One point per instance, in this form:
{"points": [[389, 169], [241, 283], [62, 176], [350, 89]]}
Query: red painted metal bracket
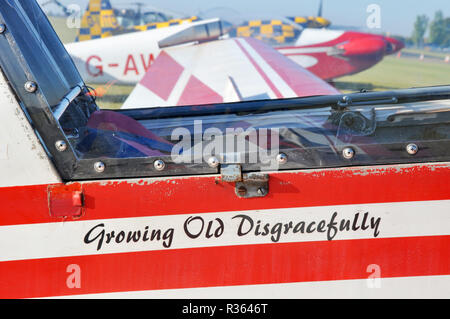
{"points": [[66, 201]]}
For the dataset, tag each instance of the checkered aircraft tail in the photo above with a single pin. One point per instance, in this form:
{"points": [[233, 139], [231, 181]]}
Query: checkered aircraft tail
{"points": [[165, 24], [98, 21]]}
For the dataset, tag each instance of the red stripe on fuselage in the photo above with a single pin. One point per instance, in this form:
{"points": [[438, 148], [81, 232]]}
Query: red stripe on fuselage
{"points": [[204, 194], [228, 266]]}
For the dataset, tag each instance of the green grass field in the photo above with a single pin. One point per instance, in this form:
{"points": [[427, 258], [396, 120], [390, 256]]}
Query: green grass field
{"points": [[397, 73], [426, 52], [115, 96], [65, 33]]}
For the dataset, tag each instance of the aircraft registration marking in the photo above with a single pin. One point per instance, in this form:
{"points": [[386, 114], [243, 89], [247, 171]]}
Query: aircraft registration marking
{"points": [[133, 65]]}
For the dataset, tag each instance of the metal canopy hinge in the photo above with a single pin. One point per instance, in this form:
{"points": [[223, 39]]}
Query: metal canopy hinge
{"points": [[66, 201], [248, 185]]}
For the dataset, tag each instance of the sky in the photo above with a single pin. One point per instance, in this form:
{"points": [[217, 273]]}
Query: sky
{"points": [[396, 16]]}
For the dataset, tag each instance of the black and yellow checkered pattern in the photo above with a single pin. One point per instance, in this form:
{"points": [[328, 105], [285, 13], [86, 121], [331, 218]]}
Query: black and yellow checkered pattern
{"points": [[271, 31], [311, 22], [98, 21], [169, 23]]}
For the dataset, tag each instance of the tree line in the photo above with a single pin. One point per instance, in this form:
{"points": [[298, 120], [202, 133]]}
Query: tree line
{"points": [[439, 30]]}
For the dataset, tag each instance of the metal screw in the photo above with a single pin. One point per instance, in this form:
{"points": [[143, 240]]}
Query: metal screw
{"points": [[261, 191], [99, 167], [213, 162], [346, 99], [159, 165], [282, 158], [2, 28], [61, 146], [412, 149], [348, 153], [30, 86]]}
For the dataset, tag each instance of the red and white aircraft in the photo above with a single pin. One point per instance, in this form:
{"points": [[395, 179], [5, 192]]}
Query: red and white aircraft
{"points": [[329, 54], [232, 70], [126, 58], [93, 205]]}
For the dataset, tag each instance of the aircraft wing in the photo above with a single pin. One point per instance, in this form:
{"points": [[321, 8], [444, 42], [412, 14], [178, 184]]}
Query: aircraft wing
{"points": [[230, 70]]}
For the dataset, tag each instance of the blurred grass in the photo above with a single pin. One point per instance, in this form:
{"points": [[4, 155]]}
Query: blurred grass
{"points": [[66, 34], [113, 97], [426, 52], [397, 73]]}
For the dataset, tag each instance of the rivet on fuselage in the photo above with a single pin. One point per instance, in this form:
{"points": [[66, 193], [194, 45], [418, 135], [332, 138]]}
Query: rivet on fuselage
{"points": [[282, 158], [213, 162], [61, 146], [30, 86], [412, 149], [99, 167], [159, 165], [348, 153]]}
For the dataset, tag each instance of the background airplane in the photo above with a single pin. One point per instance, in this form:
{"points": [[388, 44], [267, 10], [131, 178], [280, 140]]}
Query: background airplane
{"points": [[231, 70], [115, 21], [278, 31], [127, 57], [100, 20], [312, 22], [329, 54]]}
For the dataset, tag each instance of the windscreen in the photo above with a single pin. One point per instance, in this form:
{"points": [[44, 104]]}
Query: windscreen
{"points": [[294, 91], [257, 50], [310, 138], [39, 48]]}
